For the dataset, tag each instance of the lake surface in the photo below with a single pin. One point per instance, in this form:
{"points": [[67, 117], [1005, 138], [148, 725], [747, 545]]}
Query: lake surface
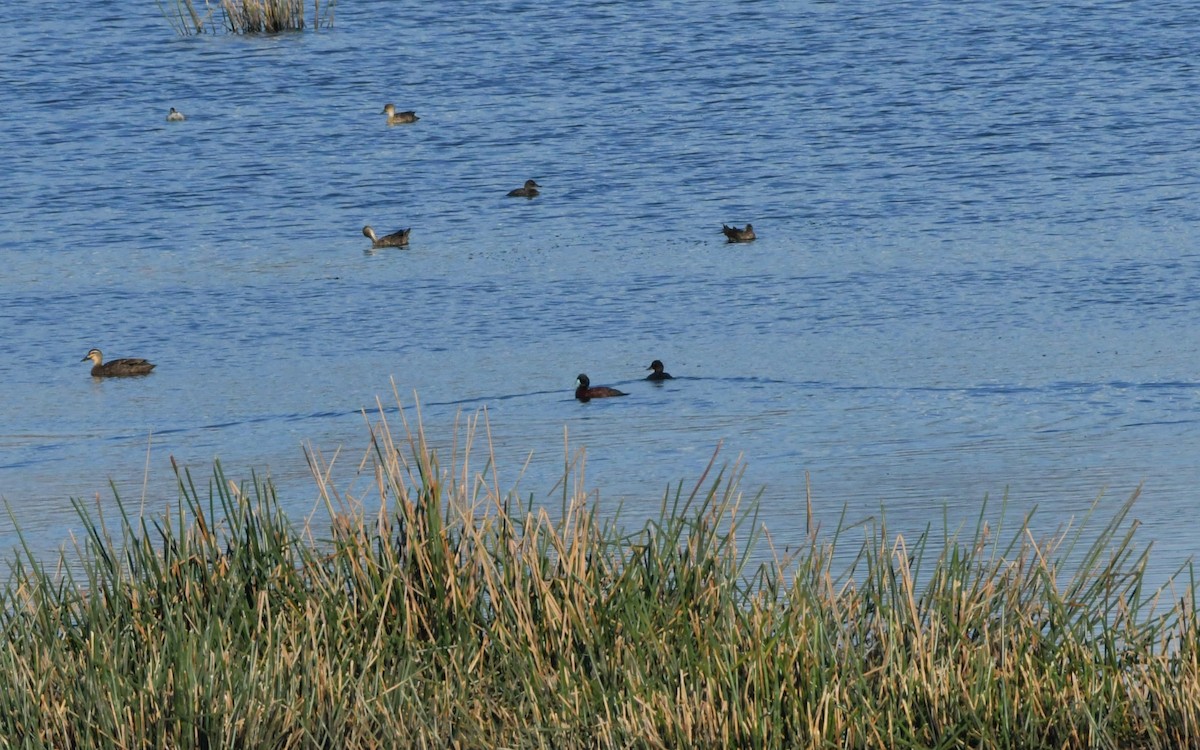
{"points": [[977, 271]]}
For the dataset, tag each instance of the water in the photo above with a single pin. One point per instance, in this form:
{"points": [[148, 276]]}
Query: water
{"points": [[976, 274]]}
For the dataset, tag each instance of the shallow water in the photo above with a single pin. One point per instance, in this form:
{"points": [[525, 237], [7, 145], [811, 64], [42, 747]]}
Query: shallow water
{"points": [[977, 270]]}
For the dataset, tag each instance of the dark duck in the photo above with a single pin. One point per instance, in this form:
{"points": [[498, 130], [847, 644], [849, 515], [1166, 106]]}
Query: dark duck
{"points": [[529, 190], [584, 391], [118, 367], [658, 373]]}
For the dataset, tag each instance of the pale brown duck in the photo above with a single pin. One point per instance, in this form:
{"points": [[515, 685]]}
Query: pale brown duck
{"points": [[395, 239], [738, 235], [398, 118]]}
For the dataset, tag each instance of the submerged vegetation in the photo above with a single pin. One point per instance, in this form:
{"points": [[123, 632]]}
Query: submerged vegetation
{"points": [[441, 612], [244, 16]]}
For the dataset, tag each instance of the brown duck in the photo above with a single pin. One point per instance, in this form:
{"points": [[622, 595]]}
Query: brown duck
{"points": [[529, 190], [395, 239], [584, 391], [398, 118], [118, 367], [738, 235]]}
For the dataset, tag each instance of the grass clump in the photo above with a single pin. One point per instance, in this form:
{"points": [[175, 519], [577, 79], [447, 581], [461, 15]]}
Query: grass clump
{"points": [[244, 16], [445, 613]]}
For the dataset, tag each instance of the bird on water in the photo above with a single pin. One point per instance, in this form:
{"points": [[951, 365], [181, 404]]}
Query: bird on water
{"points": [[398, 118], [529, 190], [738, 235], [658, 373], [585, 392], [395, 239], [118, 367]]}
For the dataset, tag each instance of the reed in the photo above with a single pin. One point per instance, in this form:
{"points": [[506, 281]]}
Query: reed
{"points": [[244, 16], [184, 17], [439, 611]]}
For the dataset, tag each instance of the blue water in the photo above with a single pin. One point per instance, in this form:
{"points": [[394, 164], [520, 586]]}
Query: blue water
{"points": [[977, 272]]}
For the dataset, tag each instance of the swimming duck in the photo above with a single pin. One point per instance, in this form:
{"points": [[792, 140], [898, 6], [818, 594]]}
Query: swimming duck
{"points": [[116, 368], [395, 239], [584, 392], [738, 235], [658, 373], [398, 118], [529, 191], [175, 116]]}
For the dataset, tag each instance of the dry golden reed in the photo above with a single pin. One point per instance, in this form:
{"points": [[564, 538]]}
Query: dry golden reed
{"points": [[436, 610], [244, 16]]}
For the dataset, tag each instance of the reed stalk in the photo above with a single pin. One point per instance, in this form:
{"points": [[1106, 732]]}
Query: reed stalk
{"points": [[436, 610], [245, 16], [184, 17]]}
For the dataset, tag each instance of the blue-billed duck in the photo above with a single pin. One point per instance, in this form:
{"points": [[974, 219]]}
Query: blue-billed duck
{"points": [[395, 239], [528, 191], [118, 367], [658, 373], [584, 391], [738, 235], [398, 118]]}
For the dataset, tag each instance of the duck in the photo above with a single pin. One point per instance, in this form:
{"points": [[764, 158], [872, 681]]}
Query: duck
{"points": [[584, 391], [658, 373], [395, 239], [118, 367], [175, 116], [529, 190], [398, 118], [738, 235]]}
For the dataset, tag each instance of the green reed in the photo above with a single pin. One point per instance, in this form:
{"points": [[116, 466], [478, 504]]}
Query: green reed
{"points": [[244, 16], [438, 611]]}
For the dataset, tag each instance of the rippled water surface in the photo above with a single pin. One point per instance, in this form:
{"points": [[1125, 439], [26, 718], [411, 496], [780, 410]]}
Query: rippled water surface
{"points": [[977, 271]]}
